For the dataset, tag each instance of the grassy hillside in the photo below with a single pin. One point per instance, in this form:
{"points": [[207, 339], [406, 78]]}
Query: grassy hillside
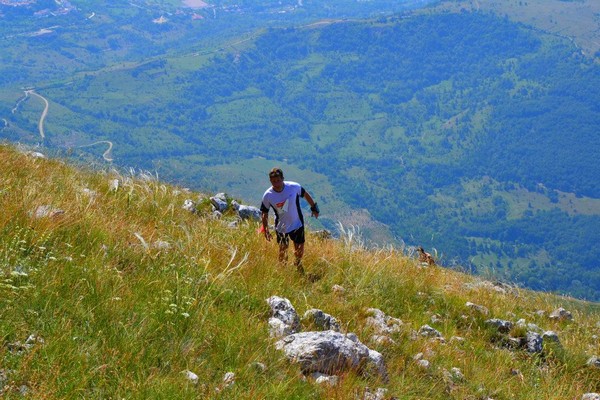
{"points": [[454, 127], [123, 291]]}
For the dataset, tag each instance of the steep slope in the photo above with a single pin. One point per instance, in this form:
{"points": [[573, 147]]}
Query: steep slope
{"points": [[113, 290], [463, 131]]}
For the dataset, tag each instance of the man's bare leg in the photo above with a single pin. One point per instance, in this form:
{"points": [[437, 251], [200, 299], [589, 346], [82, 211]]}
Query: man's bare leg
{"points": [[298, 253], [283, 256]]}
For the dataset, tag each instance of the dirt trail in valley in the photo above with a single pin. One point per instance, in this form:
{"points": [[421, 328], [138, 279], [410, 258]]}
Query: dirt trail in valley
{"points": [[44, 113], [107, 155]]}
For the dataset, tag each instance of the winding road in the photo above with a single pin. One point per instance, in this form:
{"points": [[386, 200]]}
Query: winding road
{"points": [[107, 155], [44, 113]]}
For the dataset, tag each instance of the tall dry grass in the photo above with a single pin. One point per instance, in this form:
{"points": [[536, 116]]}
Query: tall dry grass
{"points": [[125, 291]]}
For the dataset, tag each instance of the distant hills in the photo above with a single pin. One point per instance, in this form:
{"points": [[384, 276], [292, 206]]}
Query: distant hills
{"points": [[453, 127]]}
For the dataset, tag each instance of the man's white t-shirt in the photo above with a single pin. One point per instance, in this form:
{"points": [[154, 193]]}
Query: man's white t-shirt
{"points": [[286, 204]]}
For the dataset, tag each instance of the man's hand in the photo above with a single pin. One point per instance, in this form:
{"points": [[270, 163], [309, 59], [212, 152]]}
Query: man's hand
{"points": [[267, 234], [315, 210]]}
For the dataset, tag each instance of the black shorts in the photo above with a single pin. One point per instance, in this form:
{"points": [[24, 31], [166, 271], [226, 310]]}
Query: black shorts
{"points": [[297, 236]]}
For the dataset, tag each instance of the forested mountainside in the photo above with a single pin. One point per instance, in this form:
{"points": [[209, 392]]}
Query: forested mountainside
{"points": [[465, 132]]}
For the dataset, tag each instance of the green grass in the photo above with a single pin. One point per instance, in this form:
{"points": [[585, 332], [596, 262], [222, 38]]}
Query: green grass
{"points": [[121, 317]]}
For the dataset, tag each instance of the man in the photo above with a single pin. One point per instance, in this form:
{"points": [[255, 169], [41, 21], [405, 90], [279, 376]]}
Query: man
{"points": [[284, 198]]}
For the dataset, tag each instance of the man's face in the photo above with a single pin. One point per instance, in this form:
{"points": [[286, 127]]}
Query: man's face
{"points": [[277, 183]]}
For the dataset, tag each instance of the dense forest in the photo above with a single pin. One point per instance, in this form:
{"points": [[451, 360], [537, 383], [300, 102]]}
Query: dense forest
{"points": [[466, 133]]}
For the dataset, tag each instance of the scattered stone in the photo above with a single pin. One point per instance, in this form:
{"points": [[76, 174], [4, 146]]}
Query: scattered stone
{"points": [[382, 323], [228, 380], [382, 340], [331, 352], [219, 202], [322, 379], [284, 319], [413, 335], [47, 211], [560, 314], [594, 362], [216, 214], [591, 396], [337, 289], [35, 154], [233, 224], [424, 364], [19, 348], [534, 342], [454, 375], [114, 185], [247, 212], [436, 318], [190, 205], [190, 376], [428, 331], [529, 326], [476, 307], [517, 342], [501, 325], [551, 336], [457, 339], [34, 339], [457, 374], [321, 320], [379, 394], [221, 196]]}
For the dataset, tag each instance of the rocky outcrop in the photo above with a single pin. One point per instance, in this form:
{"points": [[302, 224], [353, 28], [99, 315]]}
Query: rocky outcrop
{"points": [[383, 324], [189, 205], [326, 352], [477, 308], [502, 326], [219, 202], [246, 212], [331, 353], [321, 320], [284, 319], [560, 314]]}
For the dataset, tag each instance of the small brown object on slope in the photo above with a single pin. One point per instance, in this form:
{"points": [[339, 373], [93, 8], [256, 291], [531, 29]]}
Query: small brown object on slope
{"points": [[425, 257]]}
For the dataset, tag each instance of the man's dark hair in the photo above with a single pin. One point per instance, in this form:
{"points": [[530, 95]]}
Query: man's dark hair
{"points": [[275, 172]]}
